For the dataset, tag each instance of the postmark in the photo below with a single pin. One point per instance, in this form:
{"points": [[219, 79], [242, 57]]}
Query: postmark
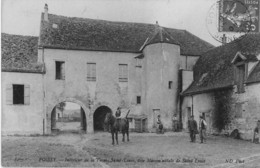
{"points": [[228, 20]]}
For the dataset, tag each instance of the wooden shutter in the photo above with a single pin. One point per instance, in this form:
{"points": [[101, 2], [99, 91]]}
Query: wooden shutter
{"points": [[26, 94], [62, 70], [125, 72], [91, 71], [240, 76], [9, 94], [94, 72], [88, 71]]}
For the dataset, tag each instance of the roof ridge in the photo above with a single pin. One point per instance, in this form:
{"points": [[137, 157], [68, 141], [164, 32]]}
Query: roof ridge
{"points": [[151, 24], [102, 20]]}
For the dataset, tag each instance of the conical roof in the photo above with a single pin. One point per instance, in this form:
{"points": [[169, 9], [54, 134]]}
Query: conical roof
{"points": [[161, 36]]}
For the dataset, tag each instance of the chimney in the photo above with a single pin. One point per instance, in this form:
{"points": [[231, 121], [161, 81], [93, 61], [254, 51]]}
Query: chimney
{"points": [[224, 39], [46, 12]]}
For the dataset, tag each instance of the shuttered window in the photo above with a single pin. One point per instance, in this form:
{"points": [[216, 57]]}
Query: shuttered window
{"points": [[240, 78], [60, 70], [17, 94], [91, 71], [123, 73]]}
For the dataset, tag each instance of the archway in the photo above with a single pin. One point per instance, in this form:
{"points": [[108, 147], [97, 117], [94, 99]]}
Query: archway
{"points": [[99, 117], [68, 117]]}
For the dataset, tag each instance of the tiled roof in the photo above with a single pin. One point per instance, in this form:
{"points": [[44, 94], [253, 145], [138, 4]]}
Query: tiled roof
{"points": [[255, 74], [19, 54], [88, 34], [214, 69]]}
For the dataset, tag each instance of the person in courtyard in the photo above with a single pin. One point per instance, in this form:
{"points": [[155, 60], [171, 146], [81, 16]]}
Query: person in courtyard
{"points": [[159, 124], [118, 116], [175, 123], [202, 127], [256, 137], [193, 128]]}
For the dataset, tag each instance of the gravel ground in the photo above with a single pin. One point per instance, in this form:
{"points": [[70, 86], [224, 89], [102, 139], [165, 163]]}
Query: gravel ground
{"points": [[143, 150]]}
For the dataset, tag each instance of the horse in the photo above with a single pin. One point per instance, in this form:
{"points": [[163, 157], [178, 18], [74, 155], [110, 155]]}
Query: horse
{"points": [[110, 120]]}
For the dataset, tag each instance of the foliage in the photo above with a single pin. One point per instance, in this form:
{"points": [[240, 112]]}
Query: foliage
{"points": [[61, 106], [223, 101]]}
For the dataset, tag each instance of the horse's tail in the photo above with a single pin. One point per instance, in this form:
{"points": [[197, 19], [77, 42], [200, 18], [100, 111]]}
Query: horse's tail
{"points": [[127, 114]]}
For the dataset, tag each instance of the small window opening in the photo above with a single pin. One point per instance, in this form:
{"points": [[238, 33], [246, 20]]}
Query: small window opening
{"points": [[60, 70], [138, 100], [170, 85], [18, 94]]}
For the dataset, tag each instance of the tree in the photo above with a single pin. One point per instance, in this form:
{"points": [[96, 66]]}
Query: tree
{"points": [[61, 106]]}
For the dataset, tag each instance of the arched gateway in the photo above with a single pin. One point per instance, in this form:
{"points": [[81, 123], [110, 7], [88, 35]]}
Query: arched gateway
{"points": [[86, 123], [99, 117]]}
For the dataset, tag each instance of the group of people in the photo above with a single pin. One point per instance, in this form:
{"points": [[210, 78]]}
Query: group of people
{"points": [[193, 129], [192, 125]]}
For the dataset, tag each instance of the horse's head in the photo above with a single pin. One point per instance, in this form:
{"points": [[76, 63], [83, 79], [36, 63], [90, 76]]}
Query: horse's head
{"points": [[108, 118]]}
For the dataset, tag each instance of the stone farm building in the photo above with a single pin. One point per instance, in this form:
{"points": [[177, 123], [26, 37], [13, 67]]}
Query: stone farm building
{"points": [[97, 64], [226, 87], [101, 65]]}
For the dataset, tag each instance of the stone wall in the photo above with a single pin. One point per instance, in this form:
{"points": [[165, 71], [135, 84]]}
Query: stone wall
{"points": [[246, 110], [106, 90]]}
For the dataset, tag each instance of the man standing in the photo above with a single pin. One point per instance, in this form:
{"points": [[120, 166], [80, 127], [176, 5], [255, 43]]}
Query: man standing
{"points": [[159, 123], [193, 128], [118, 115], [256, 138], [175, 123], [202, 126]]}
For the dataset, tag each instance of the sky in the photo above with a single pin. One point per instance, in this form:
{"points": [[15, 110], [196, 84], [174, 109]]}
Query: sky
{"points": [[71, 106], [22, 17]]}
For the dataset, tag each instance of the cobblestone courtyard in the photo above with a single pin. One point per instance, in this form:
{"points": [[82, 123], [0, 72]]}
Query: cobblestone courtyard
{"points": [[143, 150]]}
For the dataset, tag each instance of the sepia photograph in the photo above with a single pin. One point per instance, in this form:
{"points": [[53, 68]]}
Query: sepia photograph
{"points": [[130, 83]]}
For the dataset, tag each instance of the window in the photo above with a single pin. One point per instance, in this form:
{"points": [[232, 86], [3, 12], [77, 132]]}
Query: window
{"points": [[123, 73], [60, 70], [170, 85], [138, 63], [91, 71], [239, 110], [18, 94], [240, 78], [138, 100]]}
